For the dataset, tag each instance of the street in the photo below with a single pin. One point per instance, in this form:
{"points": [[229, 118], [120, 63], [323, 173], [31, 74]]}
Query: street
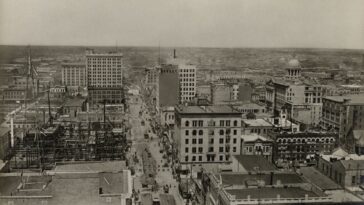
{"points": [[164, 173]]}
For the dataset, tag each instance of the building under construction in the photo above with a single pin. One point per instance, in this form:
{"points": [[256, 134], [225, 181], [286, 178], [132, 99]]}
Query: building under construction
{"points": [[42, 148]]}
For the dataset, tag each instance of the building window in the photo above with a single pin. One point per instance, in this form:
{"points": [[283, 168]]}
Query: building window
{"points": [[227, 123], [193, 149], [235, 123], [186, 141], [353, 180], [200, 132], [234, 149], [200, 141], [193, 158], [234, 140], [187, 123], [211, 149], [221, 140], [200, 123], [222, 123], [221, 149], [200, 149], [194, 123], [235, 132], [187, 132], [193, 141], [221, 158], [186, 149], [186, 158], [221, 132], [200, 158], [194, 132]]}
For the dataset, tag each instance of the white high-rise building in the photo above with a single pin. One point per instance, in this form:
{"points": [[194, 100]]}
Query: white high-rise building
{"points": [[74, 74], [104, 77], [187, 81]]}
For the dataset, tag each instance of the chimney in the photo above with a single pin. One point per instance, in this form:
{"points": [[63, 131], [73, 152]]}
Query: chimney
{"points": [[174, 54]]}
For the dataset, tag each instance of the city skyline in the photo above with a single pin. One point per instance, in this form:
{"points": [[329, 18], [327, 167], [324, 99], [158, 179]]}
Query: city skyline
{"points": [[278, 24]]}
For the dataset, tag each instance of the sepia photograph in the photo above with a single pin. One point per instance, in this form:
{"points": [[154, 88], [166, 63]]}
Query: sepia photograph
{"points": [[181, 102]]}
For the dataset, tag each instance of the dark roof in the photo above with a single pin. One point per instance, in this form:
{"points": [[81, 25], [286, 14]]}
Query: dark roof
{"points": [[239, 179], [213, 109], [167, 199], [319, 179], [291, 192], [250, 162], [74, 102]]}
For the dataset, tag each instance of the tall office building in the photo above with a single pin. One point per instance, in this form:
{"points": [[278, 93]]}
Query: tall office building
{"points": [[74, 74], [187, 80], [168, 85], [104, 77]]}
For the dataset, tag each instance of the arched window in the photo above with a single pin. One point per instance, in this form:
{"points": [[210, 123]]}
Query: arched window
{"points": [[284, 141], [317, 140], [200, 132], [187, 123], [235, 123], [299, 141]]}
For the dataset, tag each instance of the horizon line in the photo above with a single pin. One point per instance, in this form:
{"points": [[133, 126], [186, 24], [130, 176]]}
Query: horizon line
{"points": [[213, 47]]}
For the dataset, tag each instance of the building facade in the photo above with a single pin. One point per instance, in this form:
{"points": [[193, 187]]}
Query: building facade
{"points": [[187, 80], [302, 146], [254, 144], [345, 169], [343, 113], [74, 74], [207, 134], [105, 77], [168, 86]]}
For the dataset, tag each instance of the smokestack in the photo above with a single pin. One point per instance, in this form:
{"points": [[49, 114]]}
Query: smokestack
{"points": [[174, 54], [12, 131]]}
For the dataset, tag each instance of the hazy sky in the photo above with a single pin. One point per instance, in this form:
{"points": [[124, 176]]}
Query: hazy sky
{"points": [[211, 23]]}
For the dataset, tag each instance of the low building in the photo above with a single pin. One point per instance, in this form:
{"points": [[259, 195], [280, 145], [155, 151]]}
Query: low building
{"points": [[254, 144], [255, 126], [302, 146], [345, 169], [73, 106], [248, 107], [272, 188], [60, 188], [167, 116]]}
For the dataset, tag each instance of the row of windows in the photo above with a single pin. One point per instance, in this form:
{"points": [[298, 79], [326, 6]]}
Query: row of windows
{"points": [[209, 158], [222, 123], [317, 140], [200, 141]]}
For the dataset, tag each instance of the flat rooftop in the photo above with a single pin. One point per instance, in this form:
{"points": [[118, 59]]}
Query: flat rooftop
{"points": [[111, 166], [254, 137], [250, 162], [353, 99], [266, 193], [257, 123], [213, 109], [236, 178], [319, 179]]}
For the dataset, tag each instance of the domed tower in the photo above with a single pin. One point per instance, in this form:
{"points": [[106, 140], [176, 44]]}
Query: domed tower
{"points": [[293, 69]]}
